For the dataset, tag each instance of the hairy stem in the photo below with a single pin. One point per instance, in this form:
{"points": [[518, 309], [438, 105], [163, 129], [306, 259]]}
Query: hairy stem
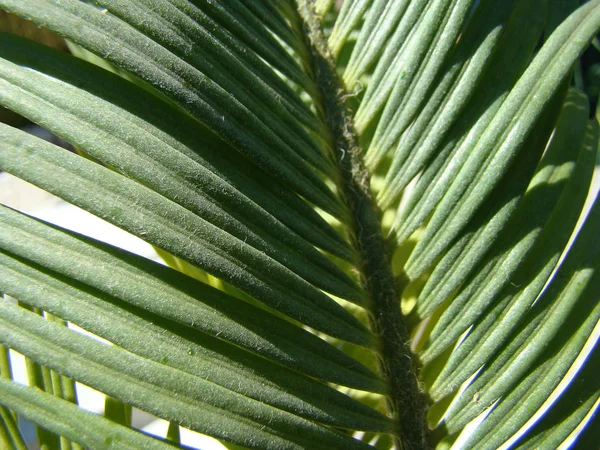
{"points": [[406, 403]]}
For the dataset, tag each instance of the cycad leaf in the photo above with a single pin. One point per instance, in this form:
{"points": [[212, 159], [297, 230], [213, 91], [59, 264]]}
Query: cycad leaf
{"points": [[382, 18], [176, 346], [543, 346], [145, 152], [162, 390], [138, 282], [416, 65], [476, 65], [575, 409], [158, 220], [227, 137], [504, 203], [193, 36], [68, 420], [451, 133], [236, 117], [504, 137], [552, 204]]}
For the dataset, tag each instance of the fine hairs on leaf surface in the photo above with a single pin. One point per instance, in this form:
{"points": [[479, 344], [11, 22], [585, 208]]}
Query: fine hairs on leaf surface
{"points": [[378, 221]]}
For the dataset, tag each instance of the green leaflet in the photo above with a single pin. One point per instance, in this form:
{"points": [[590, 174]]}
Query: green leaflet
{"points": [[193, 37], [562, 318], [127, 48], [246, 27], [521, 260], [575, 408], [388, 69], [348, 19], [143, 151], [381, 20], [68, 420], [161, 390], [177, 346], [415, 64], [452, 136], [462, 75], [419, 64], [505, 135], [171, 227], [271, 17], [508, 416], [138, 282], [510, 202], [323, 6], [221, 158]]}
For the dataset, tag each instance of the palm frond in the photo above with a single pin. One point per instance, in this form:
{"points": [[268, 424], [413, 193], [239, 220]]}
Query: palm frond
{"points": [[229, 138]]}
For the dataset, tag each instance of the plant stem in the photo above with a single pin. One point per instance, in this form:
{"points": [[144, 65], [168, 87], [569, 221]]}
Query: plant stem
{"points": [[406, 403]]}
